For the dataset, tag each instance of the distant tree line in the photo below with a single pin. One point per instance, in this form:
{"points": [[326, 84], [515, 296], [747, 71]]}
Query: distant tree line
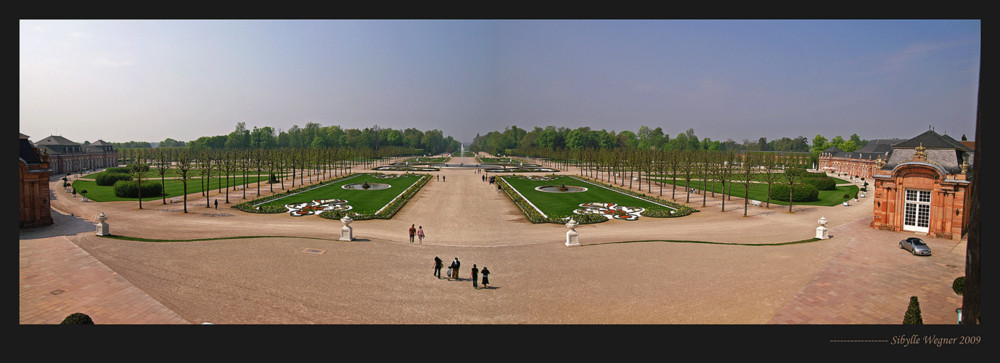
{"points": [[514, 140], [556, 138], [314, 136]]}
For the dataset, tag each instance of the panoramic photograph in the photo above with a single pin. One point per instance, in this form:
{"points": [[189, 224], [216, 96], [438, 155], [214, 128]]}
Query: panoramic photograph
{"points": [[670, 173]]}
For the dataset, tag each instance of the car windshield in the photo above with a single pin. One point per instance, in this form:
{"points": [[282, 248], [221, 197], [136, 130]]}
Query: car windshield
{"points": [[917, 242]]}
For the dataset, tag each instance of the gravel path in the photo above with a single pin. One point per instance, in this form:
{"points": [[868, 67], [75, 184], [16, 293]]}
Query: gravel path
{"points": [[309, 277]]}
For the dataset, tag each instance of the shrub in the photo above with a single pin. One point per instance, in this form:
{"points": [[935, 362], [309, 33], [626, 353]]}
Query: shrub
{"points": [[912, 316], [109, 179], [800, 193], [130, 189], [77, 319], [821, 183], [116, 169], [959, 285]]}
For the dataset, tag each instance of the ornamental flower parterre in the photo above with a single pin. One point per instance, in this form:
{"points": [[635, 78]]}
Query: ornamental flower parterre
{"points": [[317, 206], [610, 210]]}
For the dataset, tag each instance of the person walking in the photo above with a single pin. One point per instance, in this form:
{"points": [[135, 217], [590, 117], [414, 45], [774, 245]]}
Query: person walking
{"points": [[486, 277], [443, 179], [216, 204], [437, 266], [420, 234], [455, 265], [413, 231], [475, 277]]}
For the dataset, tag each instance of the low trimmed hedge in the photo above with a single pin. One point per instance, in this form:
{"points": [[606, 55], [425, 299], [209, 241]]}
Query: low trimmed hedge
{"points": [[130, 189], [800, 193]]}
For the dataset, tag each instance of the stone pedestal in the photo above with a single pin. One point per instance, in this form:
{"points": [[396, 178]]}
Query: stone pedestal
{"points": [[102, 227], [572, 237], [346, 232], [822, 232]]}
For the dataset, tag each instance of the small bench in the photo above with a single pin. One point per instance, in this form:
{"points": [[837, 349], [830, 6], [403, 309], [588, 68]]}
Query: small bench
{"points": [[176, 200], [755, 203]]}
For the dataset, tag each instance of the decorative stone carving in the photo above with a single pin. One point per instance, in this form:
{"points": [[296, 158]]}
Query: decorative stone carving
{"points": [[822, 231], [102, 227], [572, 236], [346, 232]]}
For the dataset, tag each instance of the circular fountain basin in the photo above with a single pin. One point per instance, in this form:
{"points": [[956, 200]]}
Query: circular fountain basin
{"points": [[371, 186], [559, 189]]}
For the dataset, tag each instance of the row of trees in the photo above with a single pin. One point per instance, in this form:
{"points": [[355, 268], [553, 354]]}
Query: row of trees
{"points": [[553, 138], [314, 136], [274, 163], [703, 167]]}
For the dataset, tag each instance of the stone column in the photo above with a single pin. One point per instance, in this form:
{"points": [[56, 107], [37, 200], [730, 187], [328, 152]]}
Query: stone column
{"points": [[346, 232], [572, 237], [822, 231], [102, 227]]}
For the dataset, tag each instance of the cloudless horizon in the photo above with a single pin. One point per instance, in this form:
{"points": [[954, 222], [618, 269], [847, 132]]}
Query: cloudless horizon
{"points": [[148, 80]]}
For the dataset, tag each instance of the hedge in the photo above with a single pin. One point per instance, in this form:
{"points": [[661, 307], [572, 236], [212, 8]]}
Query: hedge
{"points": [[117, 169], [130, 189], [800, 193], [108, 179], [821, 183]]}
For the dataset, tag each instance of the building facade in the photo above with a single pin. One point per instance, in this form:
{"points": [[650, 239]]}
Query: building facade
{"points": [[66, 156], [923, 187], [33, 182], [863, 163]]}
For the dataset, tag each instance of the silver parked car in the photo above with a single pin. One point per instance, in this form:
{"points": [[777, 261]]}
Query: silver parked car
{"points": [[915, 246]]}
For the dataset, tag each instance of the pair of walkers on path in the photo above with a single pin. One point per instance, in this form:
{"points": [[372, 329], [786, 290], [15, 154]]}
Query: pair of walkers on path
{"points": [[416, 232], [456, 266]]}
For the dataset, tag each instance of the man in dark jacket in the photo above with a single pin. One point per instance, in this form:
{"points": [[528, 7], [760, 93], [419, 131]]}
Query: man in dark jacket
{"points": [[475, 276]]}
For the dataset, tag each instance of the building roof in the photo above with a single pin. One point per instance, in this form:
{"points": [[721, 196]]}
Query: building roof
{"points": [[880, 146], [56, 140], [941, 150], [932, 140], [27, 151]]}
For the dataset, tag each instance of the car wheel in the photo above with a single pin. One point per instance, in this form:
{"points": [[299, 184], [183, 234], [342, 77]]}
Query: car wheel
{"points": [[901, 245], [914, 252]]}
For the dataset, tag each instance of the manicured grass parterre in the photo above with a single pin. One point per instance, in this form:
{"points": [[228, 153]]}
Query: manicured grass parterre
{"points": [[425, 160], [365, 202], [758, 191], [556, 205], [172, 187]]}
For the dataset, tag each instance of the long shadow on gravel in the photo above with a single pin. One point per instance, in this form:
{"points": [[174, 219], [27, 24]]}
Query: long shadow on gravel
{"points": [[62, 225]]}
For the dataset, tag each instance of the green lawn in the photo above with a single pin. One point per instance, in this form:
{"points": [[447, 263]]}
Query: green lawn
{"points": [[362, 201], [425, 160], [173, 188], [562, 204], [507, 161], [758, 191]]}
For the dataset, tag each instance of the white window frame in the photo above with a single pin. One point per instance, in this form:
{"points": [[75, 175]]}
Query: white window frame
{"points": [[916, 210]]}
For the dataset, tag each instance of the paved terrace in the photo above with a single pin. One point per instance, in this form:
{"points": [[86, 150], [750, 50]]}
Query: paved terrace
{"points": [[307, 276]]}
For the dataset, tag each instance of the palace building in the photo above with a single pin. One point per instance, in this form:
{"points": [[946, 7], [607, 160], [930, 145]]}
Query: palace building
{"points": [[923, 187], [33, 176], [858, 164], [66, 156]]}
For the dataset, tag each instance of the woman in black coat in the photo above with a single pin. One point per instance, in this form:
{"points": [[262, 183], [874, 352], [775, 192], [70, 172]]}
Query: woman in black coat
{"points": [[486, 277]]}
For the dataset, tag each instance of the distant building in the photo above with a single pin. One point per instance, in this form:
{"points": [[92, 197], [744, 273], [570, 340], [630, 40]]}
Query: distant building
{"points": [[859, 164], [33, 176], [923, 187], [66, 156]]}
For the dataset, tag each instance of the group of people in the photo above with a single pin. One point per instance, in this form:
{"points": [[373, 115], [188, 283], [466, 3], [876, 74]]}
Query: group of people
{"points": [[414, 232], [456, 266], [439, 177]]}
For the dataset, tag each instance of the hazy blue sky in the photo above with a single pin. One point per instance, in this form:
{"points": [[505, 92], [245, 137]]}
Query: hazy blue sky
{"points": [[146, 80]]}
